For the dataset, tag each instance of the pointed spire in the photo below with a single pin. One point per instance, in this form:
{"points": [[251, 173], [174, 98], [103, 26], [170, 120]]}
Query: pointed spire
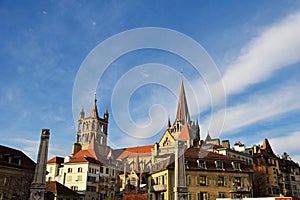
{"points": [[82, 113], [169, 122], [208, 138], [105, 116], [94, 112], [182, 109]]}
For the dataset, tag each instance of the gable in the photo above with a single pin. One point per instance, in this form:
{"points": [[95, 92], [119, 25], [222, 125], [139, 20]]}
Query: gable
{"points": [[166, 139]]}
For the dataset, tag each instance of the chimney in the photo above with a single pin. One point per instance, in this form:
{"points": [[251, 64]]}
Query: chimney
{"points": [[75, 148]]}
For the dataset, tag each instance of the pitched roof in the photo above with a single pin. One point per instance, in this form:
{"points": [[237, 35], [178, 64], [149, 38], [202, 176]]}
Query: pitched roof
{"points": [[185, 133], [84, 156], [266, 149], [133, 152], [56, 159], [59, 189], [182, 108], [194, 153], [26, 162]]}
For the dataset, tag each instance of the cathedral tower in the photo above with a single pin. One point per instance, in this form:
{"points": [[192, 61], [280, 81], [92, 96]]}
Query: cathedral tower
{"points": [[91, 127], [184, 129]]}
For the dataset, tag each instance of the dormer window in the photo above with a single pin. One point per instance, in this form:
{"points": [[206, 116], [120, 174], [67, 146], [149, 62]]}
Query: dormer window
{"points": [[236, 165], [219, 164], [201, 164]]}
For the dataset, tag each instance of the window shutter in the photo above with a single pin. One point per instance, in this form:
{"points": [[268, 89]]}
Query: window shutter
{"points": [[207, 180]]}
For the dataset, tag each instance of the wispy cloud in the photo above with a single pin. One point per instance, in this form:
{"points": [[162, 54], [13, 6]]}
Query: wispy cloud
{"points": [[276, 47], [259, 108], [30, 147], [279, 145]]}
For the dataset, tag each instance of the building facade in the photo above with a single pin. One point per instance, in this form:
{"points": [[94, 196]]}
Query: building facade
{"points": [[274, 176], [208, 176], [16, 174]]}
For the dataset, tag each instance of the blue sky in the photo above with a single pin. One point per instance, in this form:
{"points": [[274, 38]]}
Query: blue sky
{"points": [[255, 46]]}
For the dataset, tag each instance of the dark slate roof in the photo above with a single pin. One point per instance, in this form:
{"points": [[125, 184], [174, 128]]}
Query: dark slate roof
{"points": [[193, 154], [26, 162], [59, 189]]}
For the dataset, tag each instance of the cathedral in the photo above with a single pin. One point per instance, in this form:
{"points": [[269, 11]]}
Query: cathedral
{"points": [[179, 166]]}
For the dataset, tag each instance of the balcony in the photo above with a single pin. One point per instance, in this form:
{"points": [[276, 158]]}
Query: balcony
{"points": [[158, 188]]}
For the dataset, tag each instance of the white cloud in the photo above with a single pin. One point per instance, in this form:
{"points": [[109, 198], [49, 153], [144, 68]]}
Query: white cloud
{"points": [[276, 47], [29, 147], [288, 143], [258, 108]]}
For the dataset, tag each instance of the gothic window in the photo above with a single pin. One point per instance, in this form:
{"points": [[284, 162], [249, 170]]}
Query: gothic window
{"points": [[84, 126], [79, 126], [87, 137], [93, 125]]}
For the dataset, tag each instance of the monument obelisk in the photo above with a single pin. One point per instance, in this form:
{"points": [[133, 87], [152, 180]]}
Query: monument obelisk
{"points": [[38, 185]]}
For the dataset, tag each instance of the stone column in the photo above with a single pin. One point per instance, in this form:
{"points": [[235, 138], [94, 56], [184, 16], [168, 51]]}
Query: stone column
{"points": [[38, 185], [180, 189]]}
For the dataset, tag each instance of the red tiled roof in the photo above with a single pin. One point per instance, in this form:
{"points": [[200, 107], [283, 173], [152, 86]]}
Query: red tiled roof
{"points": [[56, 159], [26, 162], [132, 152], [59, 189], [84, 156]]}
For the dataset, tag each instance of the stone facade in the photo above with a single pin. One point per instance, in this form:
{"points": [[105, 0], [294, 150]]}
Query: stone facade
{"points": [[16, 174]]}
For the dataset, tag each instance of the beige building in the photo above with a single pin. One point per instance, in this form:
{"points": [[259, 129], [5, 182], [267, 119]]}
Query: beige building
{"points": [[91, 169], [208, 176]]}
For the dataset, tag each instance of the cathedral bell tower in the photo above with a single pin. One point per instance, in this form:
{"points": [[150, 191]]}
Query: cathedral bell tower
{"points": [[92, 127]]}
